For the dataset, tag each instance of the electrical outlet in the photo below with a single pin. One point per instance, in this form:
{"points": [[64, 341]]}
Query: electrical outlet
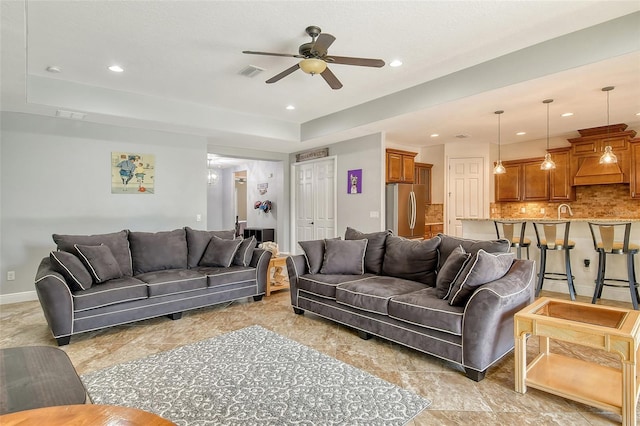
{"points": [[587, 263], [542, 210], [11, 275], [523, 210]]}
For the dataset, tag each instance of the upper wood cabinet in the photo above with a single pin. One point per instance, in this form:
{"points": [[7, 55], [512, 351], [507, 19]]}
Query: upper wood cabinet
{"points": [[400, 166], [423, 177], [634, 178], [508, 184], [560, 188], [523, 181]]}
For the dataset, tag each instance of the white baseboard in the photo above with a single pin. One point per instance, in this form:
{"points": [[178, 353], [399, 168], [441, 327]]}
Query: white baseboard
{"points": [[25, 296]]}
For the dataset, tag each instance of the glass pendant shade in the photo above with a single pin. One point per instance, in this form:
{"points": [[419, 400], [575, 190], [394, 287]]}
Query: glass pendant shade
{"points": [[608, 157], [548, 163], [313, 66], [499, 169]]}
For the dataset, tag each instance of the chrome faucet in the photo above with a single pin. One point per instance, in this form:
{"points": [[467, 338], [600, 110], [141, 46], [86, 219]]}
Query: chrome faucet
{"points": [[562, 211]]}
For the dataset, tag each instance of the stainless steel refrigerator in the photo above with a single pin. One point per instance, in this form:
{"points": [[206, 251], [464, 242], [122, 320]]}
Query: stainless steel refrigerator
{"points": [[405, 207]]}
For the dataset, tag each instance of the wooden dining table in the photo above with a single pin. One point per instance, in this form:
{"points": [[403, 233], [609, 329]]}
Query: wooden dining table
{"points": [[85, 414]]}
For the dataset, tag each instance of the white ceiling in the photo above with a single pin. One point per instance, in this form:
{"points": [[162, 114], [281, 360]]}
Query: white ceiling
{"points": [[182, 61]]}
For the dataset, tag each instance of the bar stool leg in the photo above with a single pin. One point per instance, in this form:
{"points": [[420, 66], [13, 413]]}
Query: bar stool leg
{"points": [[528, 252], [597, 292], [543, 263], [632, 281], [518, 251], [567, 262]]}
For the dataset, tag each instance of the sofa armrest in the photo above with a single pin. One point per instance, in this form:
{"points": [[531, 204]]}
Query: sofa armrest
{"points": [[487, 329], [55, 298], [260, 261], [296, 266]]}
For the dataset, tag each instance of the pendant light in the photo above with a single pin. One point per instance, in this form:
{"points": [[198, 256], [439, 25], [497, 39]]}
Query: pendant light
{"points": [[499, 168], [548, 163], [608, 157]]}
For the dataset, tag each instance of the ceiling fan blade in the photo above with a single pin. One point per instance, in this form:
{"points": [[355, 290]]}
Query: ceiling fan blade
{"points": [[363, 62], [283, 74], [331, 79], [322, 43], [250, 52]]}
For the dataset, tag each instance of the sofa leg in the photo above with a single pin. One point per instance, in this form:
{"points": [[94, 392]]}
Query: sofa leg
{"points": [[364, 335], [62, 341], [298, 311], [258, 298], [175, 316], [475, 375]]}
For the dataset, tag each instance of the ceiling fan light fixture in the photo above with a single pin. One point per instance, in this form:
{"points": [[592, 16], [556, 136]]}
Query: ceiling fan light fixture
{"points": [[313, 65]]}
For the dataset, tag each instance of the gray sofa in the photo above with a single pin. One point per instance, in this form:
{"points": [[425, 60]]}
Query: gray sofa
{"points": [[449, 297], [97, 281]]}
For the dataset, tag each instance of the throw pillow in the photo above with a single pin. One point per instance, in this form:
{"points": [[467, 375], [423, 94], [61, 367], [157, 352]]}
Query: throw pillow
{"points": [[245, 252], [449, 243], [450, 271], [314, 254], [374, 255], [100, 262], [413, 260], [484, 268], [344, 257], [198, 240], [156, 251], [118, 242], [71, 269], [220, 252]]}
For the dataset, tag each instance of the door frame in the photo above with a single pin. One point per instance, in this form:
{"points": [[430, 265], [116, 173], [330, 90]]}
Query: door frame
{"points": [[293, 204]]}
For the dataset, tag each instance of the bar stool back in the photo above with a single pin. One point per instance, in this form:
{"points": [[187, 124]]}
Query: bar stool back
{"points": [[507, 229], [613, 238], [547, 236]]}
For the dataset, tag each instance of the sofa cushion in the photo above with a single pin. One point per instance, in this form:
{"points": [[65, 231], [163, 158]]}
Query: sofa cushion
{"points": [[374, 255], [314, 254], [449, 243], [425, 308], [198, 240], [411, 259], [156, 251], [172, 281], [482, 268], [450, 270], [120, 290], [245, 252], [99, 261], [220, 252], [117, 242], [325, 285], [344, 257], [218, 276], [72, 269], [373, 295]]}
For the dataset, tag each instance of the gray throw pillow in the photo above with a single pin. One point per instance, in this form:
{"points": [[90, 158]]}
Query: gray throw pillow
{"points": [[197, 242], [449, 243], [245, 252], [374, 256], [451, 269], [415, 260], [156, 251], [483, 268], [72, 269], [116, 241], [314, 254], [100, 262], [220, 252], [344, 257]]}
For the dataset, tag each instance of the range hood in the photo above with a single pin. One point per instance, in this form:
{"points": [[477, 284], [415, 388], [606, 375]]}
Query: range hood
{"points": [[591, 172]]}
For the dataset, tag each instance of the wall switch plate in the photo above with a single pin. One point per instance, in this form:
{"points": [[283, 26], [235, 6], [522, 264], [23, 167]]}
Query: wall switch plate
{"points": [[374, 214], [11, 275], [198, 218]]}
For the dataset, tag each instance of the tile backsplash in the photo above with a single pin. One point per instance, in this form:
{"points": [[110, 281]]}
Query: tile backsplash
{"points": [[434, 213], [594, 201]]}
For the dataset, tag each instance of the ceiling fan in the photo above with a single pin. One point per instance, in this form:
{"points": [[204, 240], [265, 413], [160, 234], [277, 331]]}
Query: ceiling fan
{"points": [[315, 57]]}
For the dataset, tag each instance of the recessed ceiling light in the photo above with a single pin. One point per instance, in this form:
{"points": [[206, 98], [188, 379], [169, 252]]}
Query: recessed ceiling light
{"points": [[521, 133], [637, 113], [116, 68], [395, 63], [54, 69], [434, 135], [567, 114], [290, 107]]}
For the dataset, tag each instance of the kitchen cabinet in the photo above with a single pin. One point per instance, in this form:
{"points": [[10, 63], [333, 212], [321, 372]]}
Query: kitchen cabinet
{"points": [[523, 181], [507, 186], [400, 166], [634, 178], [560, 188], [423, 177]]}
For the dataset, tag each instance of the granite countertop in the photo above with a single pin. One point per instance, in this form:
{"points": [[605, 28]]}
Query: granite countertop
{"points": [[550, 219], [434, 223]]}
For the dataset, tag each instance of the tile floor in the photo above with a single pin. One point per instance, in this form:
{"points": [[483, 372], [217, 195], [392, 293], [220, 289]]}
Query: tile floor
{"points": [[455, 398]]}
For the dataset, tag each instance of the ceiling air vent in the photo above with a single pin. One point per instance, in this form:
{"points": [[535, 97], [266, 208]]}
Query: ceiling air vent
{"points": [[251, 71], [462, 136]]}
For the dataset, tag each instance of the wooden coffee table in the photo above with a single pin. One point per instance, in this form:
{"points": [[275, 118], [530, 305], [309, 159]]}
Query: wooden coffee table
{"points": [[611, 329], [87, 414]]}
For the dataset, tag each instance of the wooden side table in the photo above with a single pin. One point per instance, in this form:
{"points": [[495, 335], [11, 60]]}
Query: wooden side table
{"points": [[89, 414], [278, 280], [614, 330]]}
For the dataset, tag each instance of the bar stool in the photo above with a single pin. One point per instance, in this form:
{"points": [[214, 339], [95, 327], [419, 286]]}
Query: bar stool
{"points": [[546, 235], [508, 228], [614, 239]]}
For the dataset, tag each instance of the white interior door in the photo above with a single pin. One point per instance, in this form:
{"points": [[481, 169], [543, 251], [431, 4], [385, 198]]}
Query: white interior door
{"points": [[466, 192], [314, 200]]}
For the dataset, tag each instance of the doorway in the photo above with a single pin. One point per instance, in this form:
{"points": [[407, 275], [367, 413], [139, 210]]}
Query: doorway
{"points": [[240, 200]]}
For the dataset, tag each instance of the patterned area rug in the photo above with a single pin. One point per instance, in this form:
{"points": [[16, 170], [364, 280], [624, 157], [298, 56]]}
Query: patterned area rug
{"points": [[253, 376]]}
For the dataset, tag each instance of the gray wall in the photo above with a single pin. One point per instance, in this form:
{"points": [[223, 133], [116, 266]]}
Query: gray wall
{"points": [[55, 178]]}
